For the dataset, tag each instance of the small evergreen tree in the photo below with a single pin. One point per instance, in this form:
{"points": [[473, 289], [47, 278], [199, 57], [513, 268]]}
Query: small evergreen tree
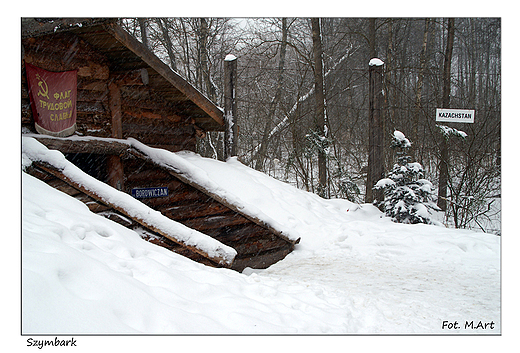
{"points": [[408, 197], [340, 184]]}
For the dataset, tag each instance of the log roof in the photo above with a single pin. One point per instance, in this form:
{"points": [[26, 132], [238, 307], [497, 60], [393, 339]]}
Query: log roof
{"points": [[124, 53], [228, 232]]}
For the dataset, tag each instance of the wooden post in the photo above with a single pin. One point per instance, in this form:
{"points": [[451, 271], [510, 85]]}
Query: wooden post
{"points": [[114, 164], [375, 131], [230, 107]]}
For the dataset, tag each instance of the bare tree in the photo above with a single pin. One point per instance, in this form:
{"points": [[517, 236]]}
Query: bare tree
{"points": [[260, 155], [320, 104], [446, 90]]}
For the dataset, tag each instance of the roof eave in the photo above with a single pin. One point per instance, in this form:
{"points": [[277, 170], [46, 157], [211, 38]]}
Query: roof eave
{"points": [[175, 79]]}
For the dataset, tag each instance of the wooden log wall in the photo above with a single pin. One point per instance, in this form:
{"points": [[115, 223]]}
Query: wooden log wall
{"points": [[63, 52], [257, 247], [145, 116]]}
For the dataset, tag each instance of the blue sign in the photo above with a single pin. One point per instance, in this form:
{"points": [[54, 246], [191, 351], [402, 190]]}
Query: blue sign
{"points": [[146, 193]]}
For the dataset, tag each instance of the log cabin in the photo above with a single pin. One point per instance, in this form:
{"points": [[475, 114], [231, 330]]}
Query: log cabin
{"points": [[122, 90]]}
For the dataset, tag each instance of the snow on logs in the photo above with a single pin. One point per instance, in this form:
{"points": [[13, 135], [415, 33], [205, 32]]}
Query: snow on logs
{"points": [[54, 162], [241, 234]]}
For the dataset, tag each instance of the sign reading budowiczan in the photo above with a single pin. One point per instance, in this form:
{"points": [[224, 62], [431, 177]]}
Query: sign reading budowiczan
{"points": [[455, 115], [53, 100]]}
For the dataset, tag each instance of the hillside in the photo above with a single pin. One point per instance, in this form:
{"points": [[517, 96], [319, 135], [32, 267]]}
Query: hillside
{"points": [[354, 270]]}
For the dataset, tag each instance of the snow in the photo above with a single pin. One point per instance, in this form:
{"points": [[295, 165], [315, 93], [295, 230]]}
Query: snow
{"points": [[32, 150], [447, 131], [230, 57], [236, 186], [384, 182], [375, 62], [354, 271], [399, 136]]}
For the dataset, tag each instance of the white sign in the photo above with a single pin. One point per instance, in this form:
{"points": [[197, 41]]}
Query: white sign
{"points": [[455, 115]]}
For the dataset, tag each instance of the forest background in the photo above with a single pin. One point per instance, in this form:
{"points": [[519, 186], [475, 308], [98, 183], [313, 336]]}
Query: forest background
{"points": [[280, 129]]}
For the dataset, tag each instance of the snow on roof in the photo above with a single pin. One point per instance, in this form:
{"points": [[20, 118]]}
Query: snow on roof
{"points": [[233, 183], [239, 187], [34, 151]]}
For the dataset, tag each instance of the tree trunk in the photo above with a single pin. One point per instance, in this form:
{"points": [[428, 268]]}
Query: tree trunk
{"points": [[418, 95], [320, 103], [443, 163], [372, 38], [144, 31], [261, 154], [167, 42], [204, 63]]}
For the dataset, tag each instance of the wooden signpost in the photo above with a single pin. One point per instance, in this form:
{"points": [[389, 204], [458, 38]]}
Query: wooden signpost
{"points": [[375, 126]]}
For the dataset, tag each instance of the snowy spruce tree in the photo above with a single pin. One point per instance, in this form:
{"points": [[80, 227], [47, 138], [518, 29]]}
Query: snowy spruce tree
{"points": [[408, 197]]}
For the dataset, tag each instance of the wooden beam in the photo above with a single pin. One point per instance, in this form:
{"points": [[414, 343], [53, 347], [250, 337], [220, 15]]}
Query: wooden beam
{"points": [[114, 164], [88, 145], [114, 102], [375, 133]]}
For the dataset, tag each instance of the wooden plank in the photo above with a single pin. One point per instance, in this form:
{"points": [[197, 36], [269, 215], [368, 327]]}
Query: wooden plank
{"points": [[223, 201], [40, 174], [115, 175], [262, 260], [148, 176], [114, 99], [63, 187], [140, 125], [194, 210], [258, 244], [188, 146], [137, 77], [215, 222], [236, 234], [115, 216], [97, 207], [95, 146]]}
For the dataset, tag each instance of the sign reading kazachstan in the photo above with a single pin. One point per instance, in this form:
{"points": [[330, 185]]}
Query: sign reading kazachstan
{"points": [[455, 115], [53, 100]]}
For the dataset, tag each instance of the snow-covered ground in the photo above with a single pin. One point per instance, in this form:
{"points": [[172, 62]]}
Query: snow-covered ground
{"points": [[354, 271]]}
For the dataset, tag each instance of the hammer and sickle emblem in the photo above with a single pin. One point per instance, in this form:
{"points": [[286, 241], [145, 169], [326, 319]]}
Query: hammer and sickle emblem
{"points": [[44, 89]]}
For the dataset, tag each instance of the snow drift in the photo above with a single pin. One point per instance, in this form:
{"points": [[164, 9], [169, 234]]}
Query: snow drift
{"points": [[354, 270]]}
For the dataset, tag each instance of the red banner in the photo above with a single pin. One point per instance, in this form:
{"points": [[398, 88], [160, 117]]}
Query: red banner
{"points": [[53, 100]]}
